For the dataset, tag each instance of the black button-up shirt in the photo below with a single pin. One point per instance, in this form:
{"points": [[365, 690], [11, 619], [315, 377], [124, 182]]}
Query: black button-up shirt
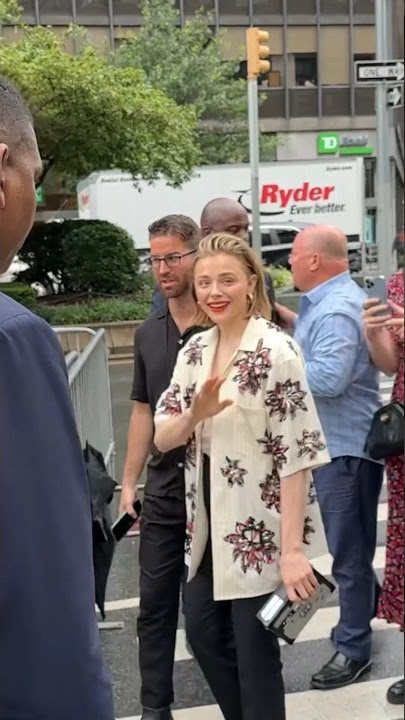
{"points": [[157, 344]]}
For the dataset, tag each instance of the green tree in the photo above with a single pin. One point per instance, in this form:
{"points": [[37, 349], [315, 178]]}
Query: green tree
{"points": [[78, 256], [10, 11], [188, 65], [91, 115]]}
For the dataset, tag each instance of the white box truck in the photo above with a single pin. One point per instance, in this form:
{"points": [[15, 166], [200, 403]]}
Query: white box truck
{"points": [[292, 195]]}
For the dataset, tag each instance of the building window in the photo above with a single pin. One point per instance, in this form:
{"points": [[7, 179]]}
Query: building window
{"points": [[364, 7], [335, 7], [306, 69], [55, 7], [370, 165], [234, 8], [98, 8], [193, 6], [301, 7], [126, 7], [363, 57]]}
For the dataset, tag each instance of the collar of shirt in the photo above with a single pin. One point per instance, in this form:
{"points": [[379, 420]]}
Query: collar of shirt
{"points": [[250, 338], [315, 296]]}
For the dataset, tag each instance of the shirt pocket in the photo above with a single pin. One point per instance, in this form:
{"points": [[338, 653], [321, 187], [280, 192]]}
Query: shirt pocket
{"points": [[249, 428]]}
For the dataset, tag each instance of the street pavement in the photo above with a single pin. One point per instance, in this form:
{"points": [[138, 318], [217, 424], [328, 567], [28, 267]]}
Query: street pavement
{"points": [[362, 701]]}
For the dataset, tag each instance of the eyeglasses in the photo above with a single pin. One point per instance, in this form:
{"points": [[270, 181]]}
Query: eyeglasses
{"points": [[171, 261]]}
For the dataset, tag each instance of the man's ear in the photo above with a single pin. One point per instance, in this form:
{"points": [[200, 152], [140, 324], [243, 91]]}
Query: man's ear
{"points": [[315, 262], [4, 156]]}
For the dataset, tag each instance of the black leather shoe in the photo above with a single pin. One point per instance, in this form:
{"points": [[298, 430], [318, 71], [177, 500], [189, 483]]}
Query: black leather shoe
{"points": [[164, 714], [395, 694], [339, 672]]}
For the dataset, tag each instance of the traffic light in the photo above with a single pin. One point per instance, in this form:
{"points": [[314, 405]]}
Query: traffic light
{"points": [[258, 51]]}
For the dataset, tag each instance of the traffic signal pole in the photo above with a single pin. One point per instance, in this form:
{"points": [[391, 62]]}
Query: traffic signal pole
{"points": [[385, 236], [254, 142], [257, 64]]}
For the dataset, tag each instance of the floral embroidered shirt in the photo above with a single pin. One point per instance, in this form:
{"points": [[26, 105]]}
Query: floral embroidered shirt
{"points": [[271, 431]]}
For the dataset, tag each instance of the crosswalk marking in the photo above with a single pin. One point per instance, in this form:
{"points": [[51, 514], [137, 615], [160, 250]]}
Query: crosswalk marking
{"points": [[318, 628], [323, 564], [364, 700], [382, 515]]}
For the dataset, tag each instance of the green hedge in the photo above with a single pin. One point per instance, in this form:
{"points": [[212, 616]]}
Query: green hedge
{"points": [[96, 311], [23, 294]]}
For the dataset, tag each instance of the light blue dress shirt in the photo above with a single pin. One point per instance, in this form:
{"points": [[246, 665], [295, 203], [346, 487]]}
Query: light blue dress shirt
{"points": [[341, 374]]}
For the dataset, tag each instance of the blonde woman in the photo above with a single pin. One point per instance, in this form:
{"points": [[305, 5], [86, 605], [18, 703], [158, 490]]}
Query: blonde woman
{"points": [[240, 402]]}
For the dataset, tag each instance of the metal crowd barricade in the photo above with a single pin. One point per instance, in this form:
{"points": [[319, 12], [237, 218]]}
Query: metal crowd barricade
{"points": [[89, 383]]}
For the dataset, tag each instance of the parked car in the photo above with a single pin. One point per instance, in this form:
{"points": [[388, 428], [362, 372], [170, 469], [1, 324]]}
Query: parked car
{"points": [[278, 239]]}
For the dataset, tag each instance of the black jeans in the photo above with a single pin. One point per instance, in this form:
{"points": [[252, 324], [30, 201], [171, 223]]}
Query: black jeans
{"points": [[161, 559], [239, 658]]}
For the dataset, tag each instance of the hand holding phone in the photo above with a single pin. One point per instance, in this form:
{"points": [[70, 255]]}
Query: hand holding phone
{"points": [[376, 290], [125, 522]]}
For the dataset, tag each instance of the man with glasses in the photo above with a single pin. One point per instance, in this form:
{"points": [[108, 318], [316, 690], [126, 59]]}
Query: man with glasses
{"points": [[223, 215], [173, 244]]}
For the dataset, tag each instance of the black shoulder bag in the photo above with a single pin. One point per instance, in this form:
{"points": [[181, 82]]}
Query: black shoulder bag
{"points": [[387, 434]]}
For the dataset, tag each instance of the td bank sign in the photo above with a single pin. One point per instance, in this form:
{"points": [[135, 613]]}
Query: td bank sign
{"points": [[340, 144]]}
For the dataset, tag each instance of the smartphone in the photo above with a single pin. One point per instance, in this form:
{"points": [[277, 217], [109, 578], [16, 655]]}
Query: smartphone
{"points": [[125, 522], [376, 288]]}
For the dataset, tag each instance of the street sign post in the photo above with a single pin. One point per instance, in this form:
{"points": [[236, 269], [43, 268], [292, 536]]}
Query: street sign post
{"points": [[395, 96], [374, 72], [383, 73]]}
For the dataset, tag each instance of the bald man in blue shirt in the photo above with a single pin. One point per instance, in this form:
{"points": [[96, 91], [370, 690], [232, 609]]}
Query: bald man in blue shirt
{"points": [[50, 658], [345, 385]]}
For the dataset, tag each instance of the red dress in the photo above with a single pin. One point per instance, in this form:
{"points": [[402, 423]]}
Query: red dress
{"points": [[392, 599]]}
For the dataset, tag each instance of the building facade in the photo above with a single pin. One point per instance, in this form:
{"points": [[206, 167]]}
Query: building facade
{"points": [[310, 98]]}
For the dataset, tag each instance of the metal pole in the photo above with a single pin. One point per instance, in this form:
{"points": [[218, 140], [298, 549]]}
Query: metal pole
{"points": [[384, 239], [254, 136]]}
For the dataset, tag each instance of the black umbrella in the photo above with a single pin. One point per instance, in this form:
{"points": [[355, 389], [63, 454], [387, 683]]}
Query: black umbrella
{"points": [[101, 494]]}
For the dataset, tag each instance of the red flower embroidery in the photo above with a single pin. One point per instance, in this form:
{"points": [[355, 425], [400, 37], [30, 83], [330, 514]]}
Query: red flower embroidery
{"points": [[194, 351], [234, 474], [191, 495], [273, 326], [253, 544], [271, 491], [286, 399], [310, 444], [253, 369], [170, 403], [273, 445], [189, 536]]}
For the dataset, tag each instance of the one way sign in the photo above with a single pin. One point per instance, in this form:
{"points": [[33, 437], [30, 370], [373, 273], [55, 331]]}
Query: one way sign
{"points": [[395, 96], [373, 72]]}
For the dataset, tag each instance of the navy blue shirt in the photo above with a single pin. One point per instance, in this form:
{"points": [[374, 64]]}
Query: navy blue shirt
{"points": [[50, 659]]}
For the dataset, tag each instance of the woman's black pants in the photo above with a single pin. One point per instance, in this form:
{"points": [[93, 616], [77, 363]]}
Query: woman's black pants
{"points": [[239, 658]]}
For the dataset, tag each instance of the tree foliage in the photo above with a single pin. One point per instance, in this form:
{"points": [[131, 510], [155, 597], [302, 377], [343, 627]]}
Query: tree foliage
{"points": [[10, 11], [80, 256], [188, 65], [92, 115]]}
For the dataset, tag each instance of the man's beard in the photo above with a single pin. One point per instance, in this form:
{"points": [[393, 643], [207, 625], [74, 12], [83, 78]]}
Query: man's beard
{"points": [[179, 289]]}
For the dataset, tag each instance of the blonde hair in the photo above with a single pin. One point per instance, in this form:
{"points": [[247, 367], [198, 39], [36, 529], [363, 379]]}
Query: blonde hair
{"points": [[223, 244]]}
